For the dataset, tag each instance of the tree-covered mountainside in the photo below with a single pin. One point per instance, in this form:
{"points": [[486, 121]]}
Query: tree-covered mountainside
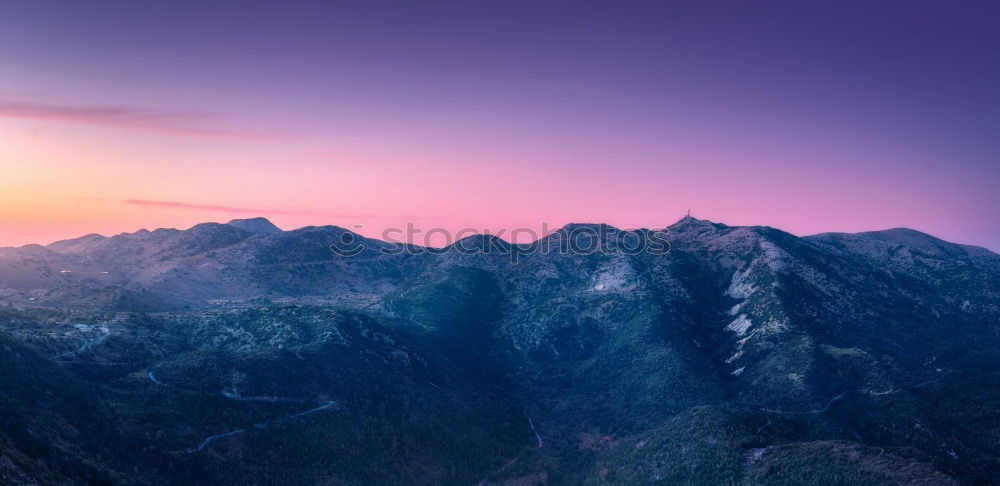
{"points": [[243, 354]]}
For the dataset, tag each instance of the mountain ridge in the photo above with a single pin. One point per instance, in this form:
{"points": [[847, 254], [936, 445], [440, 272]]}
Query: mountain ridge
{"points": [[267, 228], [748, 348]]}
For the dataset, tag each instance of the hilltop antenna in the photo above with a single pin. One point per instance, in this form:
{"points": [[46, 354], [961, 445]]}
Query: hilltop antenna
{"points": [[689, 212]]}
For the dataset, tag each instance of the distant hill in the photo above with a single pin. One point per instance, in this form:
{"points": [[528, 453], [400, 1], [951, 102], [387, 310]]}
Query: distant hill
{"points": [[257, 226]]}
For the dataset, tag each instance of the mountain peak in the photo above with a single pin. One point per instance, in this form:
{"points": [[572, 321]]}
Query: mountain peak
{"points": [[480, 242], [595, 227], [689, 222], [260, 226]]}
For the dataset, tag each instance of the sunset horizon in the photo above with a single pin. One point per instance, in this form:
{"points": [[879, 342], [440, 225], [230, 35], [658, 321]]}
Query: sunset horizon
{"points": [[116, 122], [438, 236]]}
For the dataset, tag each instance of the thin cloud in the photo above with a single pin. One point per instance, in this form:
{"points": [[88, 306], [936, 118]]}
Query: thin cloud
{"points": [[212, 207], [216, 208], [176, 123], [342, 156], [256, 211]]}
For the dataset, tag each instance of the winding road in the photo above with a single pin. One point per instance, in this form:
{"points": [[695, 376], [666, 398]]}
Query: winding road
{"points": [[87, 344], [865, 391], [807, 412], [153, 378], [262, 425], [532, 424]]}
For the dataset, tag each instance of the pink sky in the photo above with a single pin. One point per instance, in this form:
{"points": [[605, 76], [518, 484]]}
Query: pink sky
{"points": [[65, 178], [809, 119]]}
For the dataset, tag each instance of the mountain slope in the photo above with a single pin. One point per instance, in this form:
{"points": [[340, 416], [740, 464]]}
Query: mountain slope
{"points": [[742, 355]]}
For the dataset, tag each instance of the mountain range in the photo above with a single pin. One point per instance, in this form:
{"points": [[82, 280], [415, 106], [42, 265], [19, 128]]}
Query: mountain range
{"points": [[243, 354]]}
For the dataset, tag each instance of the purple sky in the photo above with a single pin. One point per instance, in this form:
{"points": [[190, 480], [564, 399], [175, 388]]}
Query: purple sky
{"points": [[809, 116]]}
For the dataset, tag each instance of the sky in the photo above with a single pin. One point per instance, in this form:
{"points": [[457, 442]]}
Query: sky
{"points": [[807, 116]]}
